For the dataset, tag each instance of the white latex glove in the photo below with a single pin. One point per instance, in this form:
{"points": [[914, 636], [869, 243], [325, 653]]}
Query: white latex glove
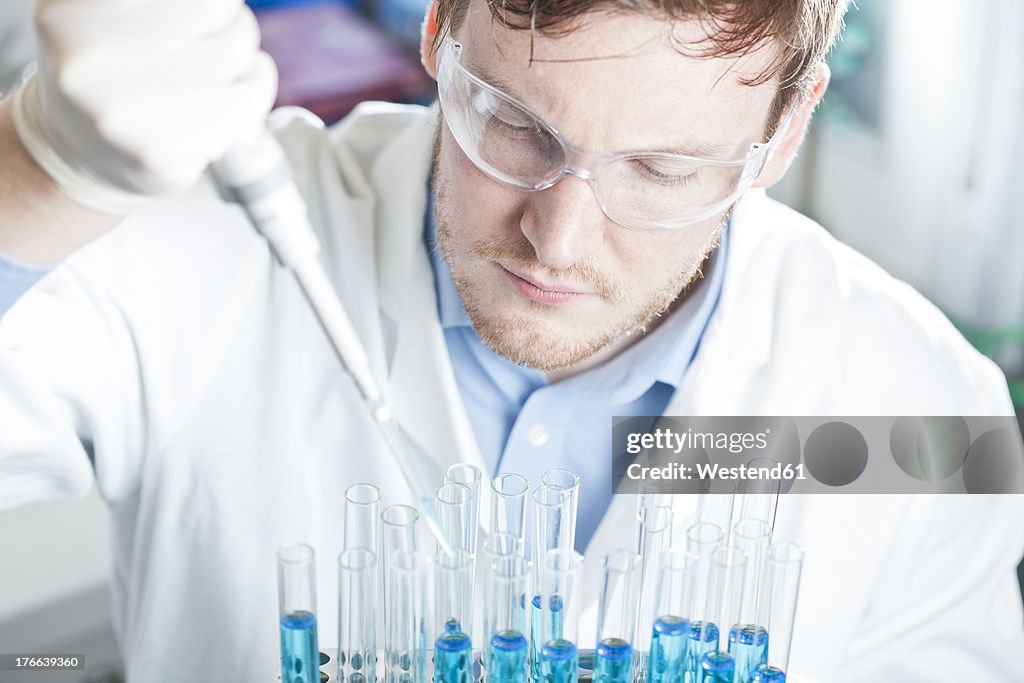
{"points": [[134, 98]]}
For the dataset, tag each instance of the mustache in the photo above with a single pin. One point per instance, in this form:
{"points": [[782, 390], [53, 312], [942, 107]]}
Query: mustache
{"points": [[520, 256]]}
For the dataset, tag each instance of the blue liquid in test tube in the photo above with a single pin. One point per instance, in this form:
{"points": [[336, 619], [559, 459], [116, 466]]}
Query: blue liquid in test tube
{"points": [[300, 654], [558, 661], [669, 649], [768, 674], [717, 667], [697, 649], [537, 638], [508, 658], [748, 646], [453, 655], [613, 661]]}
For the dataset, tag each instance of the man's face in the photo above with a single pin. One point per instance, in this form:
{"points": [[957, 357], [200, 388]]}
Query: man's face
{"points": [[546, 278]]}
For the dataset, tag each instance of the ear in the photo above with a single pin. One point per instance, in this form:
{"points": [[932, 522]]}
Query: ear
{"points": [[428, 34], [790, 145]]}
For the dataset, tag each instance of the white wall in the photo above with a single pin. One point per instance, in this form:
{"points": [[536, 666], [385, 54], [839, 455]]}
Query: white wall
{"points": [[930, 199], [17, 42], [55, 563]]}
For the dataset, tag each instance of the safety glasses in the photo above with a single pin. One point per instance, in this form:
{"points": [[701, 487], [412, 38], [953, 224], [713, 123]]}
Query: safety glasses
{"points": [[643, 191]]}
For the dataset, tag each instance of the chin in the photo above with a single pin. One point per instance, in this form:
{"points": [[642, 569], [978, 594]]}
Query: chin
{"points": [[531, 342]]}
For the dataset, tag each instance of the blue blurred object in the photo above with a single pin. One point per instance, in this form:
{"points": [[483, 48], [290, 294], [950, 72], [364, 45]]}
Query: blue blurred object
{"points": [[261, 4], [401, 18]]}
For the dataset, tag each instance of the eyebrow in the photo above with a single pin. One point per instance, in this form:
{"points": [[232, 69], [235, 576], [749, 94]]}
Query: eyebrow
{"points": [[497, 81], [691, 149]]}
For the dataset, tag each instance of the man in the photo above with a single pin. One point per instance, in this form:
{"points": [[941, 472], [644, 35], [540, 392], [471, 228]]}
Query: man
{"points": [[584, 165]]}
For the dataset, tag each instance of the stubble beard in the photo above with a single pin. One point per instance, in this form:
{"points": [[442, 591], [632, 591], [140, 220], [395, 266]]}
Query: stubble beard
{"points": [[529, 340]]}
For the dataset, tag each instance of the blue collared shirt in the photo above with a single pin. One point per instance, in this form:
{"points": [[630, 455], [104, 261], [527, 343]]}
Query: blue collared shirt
{"points": [[16, 278], [526, 425]]}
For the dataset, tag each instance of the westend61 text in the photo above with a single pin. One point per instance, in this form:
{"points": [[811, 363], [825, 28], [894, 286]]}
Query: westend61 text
{"points": [[705, 471]]}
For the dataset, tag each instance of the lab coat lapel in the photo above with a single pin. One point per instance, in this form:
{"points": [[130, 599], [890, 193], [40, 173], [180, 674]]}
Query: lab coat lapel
{"points": [[725, 361], [725, 377], [421, 384]]}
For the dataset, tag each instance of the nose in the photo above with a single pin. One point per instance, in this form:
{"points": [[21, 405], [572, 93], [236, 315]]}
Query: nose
{"points": [[564, 223]]}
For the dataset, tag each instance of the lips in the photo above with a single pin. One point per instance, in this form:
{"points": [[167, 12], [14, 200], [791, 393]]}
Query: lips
{"points": [[541, 292]]}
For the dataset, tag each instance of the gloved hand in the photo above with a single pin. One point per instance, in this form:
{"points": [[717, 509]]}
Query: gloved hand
{"points": [[134, 98]]}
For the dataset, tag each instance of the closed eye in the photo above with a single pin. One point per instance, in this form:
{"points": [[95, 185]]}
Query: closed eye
{"points": [[511, 125], [504, 115], [665, 173]]}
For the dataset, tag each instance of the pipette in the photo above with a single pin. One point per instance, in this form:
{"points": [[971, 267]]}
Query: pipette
{"points": [[257, 176]]}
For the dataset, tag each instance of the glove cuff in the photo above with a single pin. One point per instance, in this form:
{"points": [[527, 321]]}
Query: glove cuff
{"points": [[73, 179]]}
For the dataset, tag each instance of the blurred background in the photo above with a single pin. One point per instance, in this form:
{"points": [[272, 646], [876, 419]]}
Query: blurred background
{"points": [[916, 159]]}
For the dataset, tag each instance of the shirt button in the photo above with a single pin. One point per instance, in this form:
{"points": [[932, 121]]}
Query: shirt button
{"points": [[538, 435]]}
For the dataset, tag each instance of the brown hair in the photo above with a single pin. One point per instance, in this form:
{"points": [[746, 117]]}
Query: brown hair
{"points": [[804, 30]]}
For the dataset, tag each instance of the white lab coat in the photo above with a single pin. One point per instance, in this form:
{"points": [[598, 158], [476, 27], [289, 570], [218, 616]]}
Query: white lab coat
{"points": [[176, 365]]}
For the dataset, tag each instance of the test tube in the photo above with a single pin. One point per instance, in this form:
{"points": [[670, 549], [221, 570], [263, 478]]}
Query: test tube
{"points": [[559, 601], [357, 616], [550, 532], [674, 594], [362, 517], [504, 632], [616, 617], [715, 503], [748, 639], [508, 512], [453, 650], [551, 521], [501, 551], [399, 534], [759, 497], [399, 524], [655, 538], [296, 593], [652, 494], [726, 581], [409, 617], [701, 540], [454, 513], [570, 483], [781, 587], [502, 546], [470, 476]]}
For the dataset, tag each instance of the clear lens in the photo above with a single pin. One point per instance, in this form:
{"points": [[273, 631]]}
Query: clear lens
{"points": [[501, 137], [510, 139], [510, 144], [655, 191]]}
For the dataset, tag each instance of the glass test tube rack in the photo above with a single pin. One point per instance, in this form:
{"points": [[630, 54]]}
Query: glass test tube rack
{"points": [[329, 667], [688, 590]]}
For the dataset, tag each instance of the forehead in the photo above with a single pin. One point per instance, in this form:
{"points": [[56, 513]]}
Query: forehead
{"points": [[620, 80]]}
